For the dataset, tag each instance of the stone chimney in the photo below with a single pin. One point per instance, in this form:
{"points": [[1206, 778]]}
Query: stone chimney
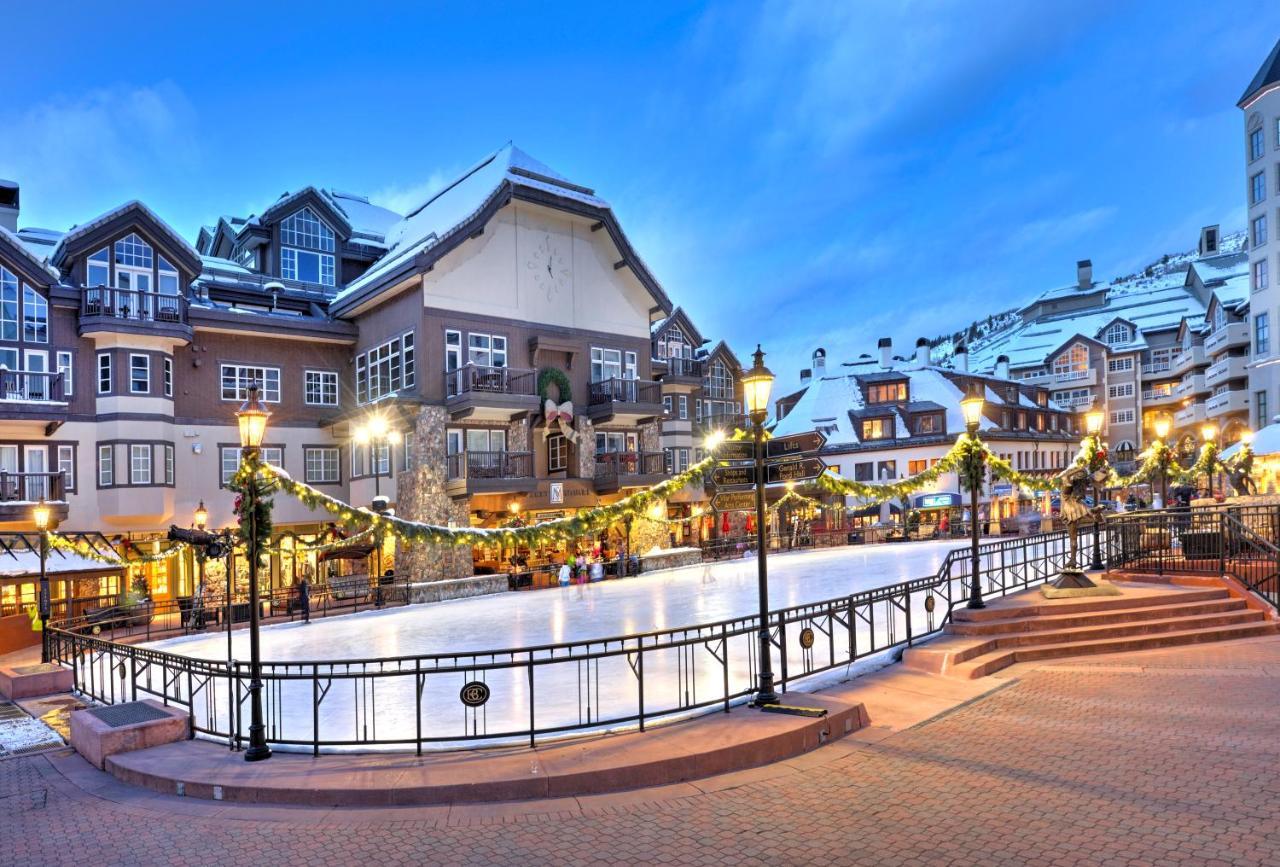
{"points": [[922, 351], [1209, 237], [819, 363], [1084, 273], [1002, 367], [9, 205], [962, 358], [886, 352]]}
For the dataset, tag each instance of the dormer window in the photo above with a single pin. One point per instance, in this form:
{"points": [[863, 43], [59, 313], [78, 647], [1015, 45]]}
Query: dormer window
{"points": [[1219, 317], [674, 345], [891, 392], [877, 428], [1072, 364], [306, 249], [929, 424], [1117, 334]]}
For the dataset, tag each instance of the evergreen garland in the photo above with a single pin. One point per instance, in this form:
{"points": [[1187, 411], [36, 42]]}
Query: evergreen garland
{"points": [[253, 513], [554, 376]]}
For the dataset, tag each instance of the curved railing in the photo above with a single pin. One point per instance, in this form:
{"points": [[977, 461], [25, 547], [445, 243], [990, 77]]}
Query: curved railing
{"points": [[546, 690]]}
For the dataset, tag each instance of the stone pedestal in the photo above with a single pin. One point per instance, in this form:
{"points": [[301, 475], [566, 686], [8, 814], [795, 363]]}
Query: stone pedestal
{"points": [[421, 496], [29, 681], [99, 732]]}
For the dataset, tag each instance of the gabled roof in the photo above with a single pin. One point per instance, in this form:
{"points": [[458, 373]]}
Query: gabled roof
{"points": [[134, 210], [1267, 75], [450, 215], [722, 348], [681, 318], [37, 271], [290, 202]]}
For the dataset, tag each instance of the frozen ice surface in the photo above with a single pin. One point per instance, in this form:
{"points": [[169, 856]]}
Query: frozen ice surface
{"points": [[570, 693]]}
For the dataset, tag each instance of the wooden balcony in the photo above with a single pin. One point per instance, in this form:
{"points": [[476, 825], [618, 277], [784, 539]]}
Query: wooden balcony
{"points": [[29, 395], [628, 401], [617, 470], [489, 473], [19, 492], [684, 370], [104, 308], [485, 393]]}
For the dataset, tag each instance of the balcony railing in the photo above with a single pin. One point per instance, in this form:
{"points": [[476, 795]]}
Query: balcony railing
{"points": [[1074, 402], [490, 465], [30, 386], [724, 421], [32, 487], [1156, 367], [687, 367], [133, 306], [484, 379], [625, 391], [611, 465]]}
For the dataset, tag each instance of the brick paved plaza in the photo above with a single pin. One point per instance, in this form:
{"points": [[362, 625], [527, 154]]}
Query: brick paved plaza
{"points": [[1158, 757]]}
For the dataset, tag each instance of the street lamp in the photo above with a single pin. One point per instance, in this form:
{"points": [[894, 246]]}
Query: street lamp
{"points": [[1209, 433], [201, 519], [972, 407], [377, 432], [251, 418], [43, 517], [756, 385], [1162, 433], [1093, 428]]}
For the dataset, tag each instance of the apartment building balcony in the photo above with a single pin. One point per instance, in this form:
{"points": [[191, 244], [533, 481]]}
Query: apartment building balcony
{"points": [[1076, 403], [1156, 370], [1188, 359], [626, 401], [1226, 403], [1189, 415], [1231, 335], [1075, 378], [484, 393], [679, 370], [1225, 369], [489, 473], [31, 395], [104, 309], [19, 492], [1159, 398], [617, 470], [1190, 386]]}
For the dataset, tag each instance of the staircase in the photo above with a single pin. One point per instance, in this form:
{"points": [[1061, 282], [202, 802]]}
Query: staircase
{"points": [[1026, 627]]}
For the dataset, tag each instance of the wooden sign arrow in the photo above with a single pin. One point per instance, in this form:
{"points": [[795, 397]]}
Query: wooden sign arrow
{"points": [[794, 471], [739, 501], [795, 444], [736, 450], [730, 476]]}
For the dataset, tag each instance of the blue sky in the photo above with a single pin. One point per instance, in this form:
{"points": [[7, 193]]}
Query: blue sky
{"points": [[798, 174]]}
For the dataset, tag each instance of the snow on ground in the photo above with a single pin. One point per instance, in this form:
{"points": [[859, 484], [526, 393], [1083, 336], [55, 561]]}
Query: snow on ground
{"points": [[360, 703]]}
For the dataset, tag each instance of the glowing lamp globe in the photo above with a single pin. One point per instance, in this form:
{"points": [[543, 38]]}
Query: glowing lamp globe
{"points": [[202, 516], [1209, 433], [972, 407], [1246, 437], [1093, 423], [1161, 428], [252, 420], [42, 514], [757, 383]]}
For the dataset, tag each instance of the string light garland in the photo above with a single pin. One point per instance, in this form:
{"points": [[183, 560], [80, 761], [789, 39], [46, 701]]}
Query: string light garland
{"points": [[89, 552]]}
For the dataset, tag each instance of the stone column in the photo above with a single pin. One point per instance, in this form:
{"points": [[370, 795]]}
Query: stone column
{"points": [[421, 497]]}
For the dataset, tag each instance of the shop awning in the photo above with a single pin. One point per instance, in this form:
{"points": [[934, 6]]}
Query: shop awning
{"points": [[942, 500], [349, 552]]}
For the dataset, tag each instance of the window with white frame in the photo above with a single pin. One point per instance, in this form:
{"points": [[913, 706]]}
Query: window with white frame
{"points": [[106, 466], [486, 350], [719, 380], [1124, 389], [1261, 333], [168, 464], [104, 373], [1256, 143], [306, 249], [8, 304], [35, 316], [1073, 363], [1261, 277], [320, 388], [139, 464], [63, 363], [1258, 188], [321, 464], [452, 350], [385, 369], [1117, 334], [614, 442], [630, 366], [98, 269], [605, 364], [229, 460], [1259, 231], [236, 379], [557, 453], [666, 405], [674, 344], [67, 466], [1120, 365], [683, 403], [1122, 416], [139, 374], [408, 463], [1219, 317], [167, 370]]}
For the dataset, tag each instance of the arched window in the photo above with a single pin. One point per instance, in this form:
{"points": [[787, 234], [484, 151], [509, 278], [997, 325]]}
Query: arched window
{"points": [[675, 345], [1117, 334], [1072, 364], [306, 249], [719, 381], [1219, 317]]}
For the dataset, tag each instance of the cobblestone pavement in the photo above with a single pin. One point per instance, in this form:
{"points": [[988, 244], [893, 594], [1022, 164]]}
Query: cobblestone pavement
{"points": [[1164, 757]]}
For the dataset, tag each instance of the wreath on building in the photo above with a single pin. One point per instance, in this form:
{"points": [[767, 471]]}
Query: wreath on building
{"points": [[549, 376]]}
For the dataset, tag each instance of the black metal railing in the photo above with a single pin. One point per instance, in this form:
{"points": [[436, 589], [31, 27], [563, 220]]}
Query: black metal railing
{"points": [[489, 465], [690, 368], [133, 305], [485, 379], [32, 487], [610, 466], [545, 690], [625, 391], [30, 386]]}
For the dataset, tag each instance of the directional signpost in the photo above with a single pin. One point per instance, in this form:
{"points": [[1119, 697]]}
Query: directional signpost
{"points": [[733, 477], [787, 459], [736, 450], [795, 445], [736, 501], [794, 471]]}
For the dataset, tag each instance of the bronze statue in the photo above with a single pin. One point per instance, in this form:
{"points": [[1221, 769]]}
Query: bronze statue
{"points": [[1240, 480], [1073, 487]]}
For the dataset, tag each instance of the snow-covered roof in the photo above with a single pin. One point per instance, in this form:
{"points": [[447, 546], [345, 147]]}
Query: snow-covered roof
{"points": [[15, 563], [33, 258], [179, 243]]}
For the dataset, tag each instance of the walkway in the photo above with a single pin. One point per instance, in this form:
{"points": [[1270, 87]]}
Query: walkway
{"points": [[1155, 757]]}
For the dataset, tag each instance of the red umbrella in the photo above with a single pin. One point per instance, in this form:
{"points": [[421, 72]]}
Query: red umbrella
{"points": [[751, 523], [724, 523]]}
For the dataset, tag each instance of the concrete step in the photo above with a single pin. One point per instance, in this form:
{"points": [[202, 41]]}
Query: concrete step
{"points": [[1004, 657], [1016, 625], [967, 648], [1032, 604]]}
